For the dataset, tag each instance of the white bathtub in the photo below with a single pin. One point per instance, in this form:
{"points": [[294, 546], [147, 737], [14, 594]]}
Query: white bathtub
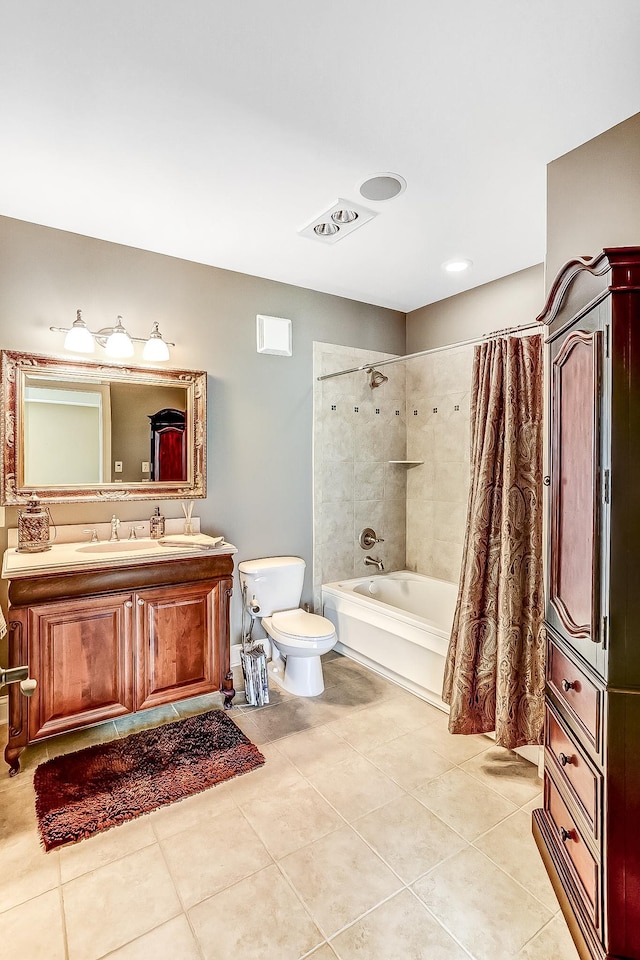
{"points": [[398, 624]]}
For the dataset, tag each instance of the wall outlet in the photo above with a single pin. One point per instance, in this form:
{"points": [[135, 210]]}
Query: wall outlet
{"points": [[146, 466], [117, 467]]}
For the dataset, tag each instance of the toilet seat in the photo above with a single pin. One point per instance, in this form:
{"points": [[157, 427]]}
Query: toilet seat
{"points": [[300, 625]]}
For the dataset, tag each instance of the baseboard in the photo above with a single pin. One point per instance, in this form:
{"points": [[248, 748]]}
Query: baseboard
{"points": [[4, 710]]}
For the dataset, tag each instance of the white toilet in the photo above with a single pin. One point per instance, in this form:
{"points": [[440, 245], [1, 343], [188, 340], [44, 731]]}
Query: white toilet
{"points": [[274, 586]]}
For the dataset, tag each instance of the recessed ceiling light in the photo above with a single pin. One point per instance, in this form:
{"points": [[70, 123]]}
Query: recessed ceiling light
{"points": [[457, 265], [344, 216], [325, 229], [341, 219], [382, 186]]}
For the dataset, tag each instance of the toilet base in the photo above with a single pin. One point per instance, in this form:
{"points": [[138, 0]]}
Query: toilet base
{"points": [[300, 676]]}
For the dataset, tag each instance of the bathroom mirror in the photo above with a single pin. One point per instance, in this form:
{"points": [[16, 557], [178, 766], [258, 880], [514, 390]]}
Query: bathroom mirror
{"points": [[79, 431]]}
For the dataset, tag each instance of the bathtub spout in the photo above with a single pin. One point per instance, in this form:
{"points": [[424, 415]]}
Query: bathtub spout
{"points": [[370, 562]]}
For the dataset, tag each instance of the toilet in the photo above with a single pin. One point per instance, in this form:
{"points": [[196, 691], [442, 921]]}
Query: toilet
{"points": [[272, 588]]}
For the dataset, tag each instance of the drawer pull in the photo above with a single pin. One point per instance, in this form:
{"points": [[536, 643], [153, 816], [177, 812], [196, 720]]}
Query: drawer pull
{"points": [[140, 602], [566, 834], [569, 685], [564, 759], [128, 603]]}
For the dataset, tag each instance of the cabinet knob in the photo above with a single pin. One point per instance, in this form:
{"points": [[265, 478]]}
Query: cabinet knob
{"points": [[568, 685], [564, 759], [566, 834], [128, 603], [140, 602]]}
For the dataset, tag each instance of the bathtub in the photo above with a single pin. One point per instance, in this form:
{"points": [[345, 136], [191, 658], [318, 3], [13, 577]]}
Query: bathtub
{"points": [[397, 624]]}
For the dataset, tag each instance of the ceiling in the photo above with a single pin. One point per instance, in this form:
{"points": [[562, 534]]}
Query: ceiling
{"points": [[213, 131]]}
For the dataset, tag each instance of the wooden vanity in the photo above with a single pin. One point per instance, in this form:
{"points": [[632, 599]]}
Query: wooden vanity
{"points": [[103, 641]]}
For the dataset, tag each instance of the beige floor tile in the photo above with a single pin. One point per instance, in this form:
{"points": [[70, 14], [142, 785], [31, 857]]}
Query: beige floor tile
{"points": [[484, 909], [355, 787], [276, 774], [370, 727], [410, 712], [464, 803], [283, 719], [552, 943], [258, 918], [534, 804], [506, 773], [408, 837], [34, 930], [339, 878], [287, 821], [171, 941], [454, 747], [103, 848], [316, 749], [408, 760], [109, 907], [245, 721], [512, 847], [27, 871], [29, 759], [399, 929], [201, 807], [325, 952], [208, 857]]}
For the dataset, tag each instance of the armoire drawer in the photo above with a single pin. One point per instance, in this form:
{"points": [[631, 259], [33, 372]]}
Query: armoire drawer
{"points": [[572, 767], [569, 839], [579, 694]]}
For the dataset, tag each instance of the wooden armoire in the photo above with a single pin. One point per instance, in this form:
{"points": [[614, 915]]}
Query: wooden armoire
{"points": [[588, 831]]}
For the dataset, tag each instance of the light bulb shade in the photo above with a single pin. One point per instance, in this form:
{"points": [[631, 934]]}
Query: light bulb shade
{"points": [[79, 339], [119, 342], [155, 349]]}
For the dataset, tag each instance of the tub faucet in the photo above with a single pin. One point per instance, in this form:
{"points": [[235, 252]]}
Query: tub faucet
{"points": [[370, 562]]}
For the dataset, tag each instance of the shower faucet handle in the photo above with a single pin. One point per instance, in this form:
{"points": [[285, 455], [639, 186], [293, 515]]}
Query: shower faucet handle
{"points": [[368, 538]]}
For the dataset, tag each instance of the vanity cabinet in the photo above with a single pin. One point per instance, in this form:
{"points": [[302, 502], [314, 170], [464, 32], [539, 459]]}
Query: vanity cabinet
{"points": [[105, 643], [587, 831]]}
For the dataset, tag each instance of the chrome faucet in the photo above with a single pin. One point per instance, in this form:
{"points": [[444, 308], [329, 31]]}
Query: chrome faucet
{"points": [[94, 535], [370, 562], [115, 523]]}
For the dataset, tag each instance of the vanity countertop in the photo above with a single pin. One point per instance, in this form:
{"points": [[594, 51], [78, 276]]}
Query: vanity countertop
{"points": [[76, 557]]}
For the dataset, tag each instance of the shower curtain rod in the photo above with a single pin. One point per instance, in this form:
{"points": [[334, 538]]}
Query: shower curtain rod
{"points": [[423, 353]]}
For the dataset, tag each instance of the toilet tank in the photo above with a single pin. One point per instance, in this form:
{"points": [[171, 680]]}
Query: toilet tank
{"points": [[276, 582]]}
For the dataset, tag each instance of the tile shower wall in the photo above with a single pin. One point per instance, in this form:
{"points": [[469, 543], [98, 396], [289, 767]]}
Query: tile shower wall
{"points": [[438, 399], [357, 431]]}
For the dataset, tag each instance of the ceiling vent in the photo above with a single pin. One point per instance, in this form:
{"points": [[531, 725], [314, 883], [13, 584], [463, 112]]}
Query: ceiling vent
{"points": [[341, 219]]}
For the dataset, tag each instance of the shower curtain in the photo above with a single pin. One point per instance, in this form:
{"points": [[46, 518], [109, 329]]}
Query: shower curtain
{"points": [[494, 673]]}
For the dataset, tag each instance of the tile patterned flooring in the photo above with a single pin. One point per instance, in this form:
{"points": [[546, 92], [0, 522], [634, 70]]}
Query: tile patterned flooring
{"points": [[370, 833]]}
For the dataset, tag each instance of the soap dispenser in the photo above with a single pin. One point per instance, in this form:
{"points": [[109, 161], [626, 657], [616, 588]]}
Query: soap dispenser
{"points": [[156, 525]]}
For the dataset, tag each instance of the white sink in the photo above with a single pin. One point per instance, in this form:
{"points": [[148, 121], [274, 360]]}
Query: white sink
{"points": [[118, 546]]}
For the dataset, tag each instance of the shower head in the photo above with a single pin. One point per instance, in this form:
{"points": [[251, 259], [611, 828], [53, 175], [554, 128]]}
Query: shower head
{"points": [[376, 378]]}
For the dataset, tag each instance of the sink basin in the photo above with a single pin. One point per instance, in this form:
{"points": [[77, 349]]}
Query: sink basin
{"points": [[118, 546]]}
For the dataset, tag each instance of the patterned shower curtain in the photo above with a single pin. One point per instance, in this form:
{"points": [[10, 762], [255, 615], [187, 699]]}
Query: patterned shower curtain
{"points": [[494, 673]]}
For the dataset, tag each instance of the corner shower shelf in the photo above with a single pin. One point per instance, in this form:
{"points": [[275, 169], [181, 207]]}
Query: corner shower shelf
{"points": [[408, 463]]}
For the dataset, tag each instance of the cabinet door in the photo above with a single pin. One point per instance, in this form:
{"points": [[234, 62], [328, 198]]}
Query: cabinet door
{"points": [[574, 574], [176, 653], [81, 656]]}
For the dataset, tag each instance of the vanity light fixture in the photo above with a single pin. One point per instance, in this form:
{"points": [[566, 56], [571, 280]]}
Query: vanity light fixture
{"points": [[116, 341]]}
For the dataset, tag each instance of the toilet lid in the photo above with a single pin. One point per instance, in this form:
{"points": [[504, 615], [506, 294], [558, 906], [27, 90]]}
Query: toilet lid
{"points": [[299, 623]]}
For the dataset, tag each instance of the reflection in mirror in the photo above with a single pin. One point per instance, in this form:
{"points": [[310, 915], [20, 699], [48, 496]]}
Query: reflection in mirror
{"points": [[83, 431]]}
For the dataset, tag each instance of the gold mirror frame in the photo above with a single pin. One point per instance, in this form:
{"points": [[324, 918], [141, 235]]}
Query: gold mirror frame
{"points": [[15, 366]]}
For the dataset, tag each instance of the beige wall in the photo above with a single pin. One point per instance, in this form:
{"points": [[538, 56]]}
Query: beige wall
{"points": [[260, 407], [593, 197], [507, 302]]}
